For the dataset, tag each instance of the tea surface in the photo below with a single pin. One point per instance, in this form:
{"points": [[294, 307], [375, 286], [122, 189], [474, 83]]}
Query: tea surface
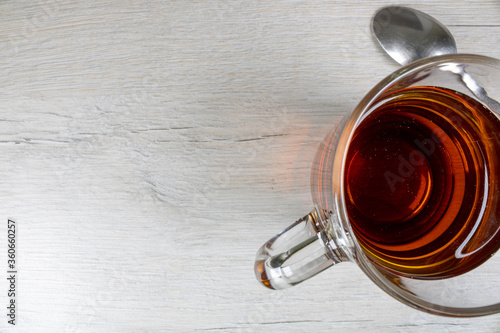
{"points": [[422, 183]]}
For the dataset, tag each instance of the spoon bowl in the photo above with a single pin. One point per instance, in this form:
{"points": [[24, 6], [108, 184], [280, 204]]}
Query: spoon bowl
{"points": [[407, 34]]}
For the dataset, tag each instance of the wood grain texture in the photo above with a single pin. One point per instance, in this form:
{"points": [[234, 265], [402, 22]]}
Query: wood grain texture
{"points": [[148, 148]]}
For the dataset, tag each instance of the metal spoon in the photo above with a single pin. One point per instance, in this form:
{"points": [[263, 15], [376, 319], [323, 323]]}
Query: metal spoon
{"points": [[408, 34]]}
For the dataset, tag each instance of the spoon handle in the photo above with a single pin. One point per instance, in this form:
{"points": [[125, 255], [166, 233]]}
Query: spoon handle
{"points": [[474, 86]]}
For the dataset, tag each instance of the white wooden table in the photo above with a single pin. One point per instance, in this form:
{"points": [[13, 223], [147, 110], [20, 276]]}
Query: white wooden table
{"points": [[148, 148]]}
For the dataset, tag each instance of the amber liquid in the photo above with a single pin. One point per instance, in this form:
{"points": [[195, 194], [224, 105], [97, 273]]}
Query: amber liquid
{"points": [[422, 183]]}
